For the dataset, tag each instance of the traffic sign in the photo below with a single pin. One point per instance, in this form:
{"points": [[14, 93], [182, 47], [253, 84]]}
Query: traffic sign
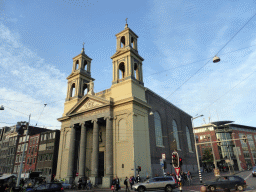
{"points": [[76, 174], [177, 170]]}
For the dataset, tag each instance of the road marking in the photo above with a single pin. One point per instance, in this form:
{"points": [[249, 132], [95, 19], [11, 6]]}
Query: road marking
{"points": [[248, 176]]}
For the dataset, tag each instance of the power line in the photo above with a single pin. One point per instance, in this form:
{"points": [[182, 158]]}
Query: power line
{"points": [[41, 114], [20, 101], [228, 91], [17, 111], [215, 54], [199, 61]]}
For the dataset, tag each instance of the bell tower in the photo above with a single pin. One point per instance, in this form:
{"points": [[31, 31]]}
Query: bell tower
{"points": [[78, 80], [127, 63]]}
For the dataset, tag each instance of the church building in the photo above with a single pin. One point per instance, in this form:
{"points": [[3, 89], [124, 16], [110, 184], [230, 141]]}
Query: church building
{"points": [[112, 132]]}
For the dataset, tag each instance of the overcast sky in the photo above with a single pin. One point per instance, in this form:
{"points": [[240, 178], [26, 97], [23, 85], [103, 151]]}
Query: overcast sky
{"points": [[38, 40]]}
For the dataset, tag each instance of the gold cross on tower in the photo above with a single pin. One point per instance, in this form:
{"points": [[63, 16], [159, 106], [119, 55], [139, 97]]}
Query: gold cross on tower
{"points": [[126, 20]]}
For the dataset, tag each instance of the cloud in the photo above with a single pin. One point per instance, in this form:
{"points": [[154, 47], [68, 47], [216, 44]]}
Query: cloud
{"points": [[28, 78]]}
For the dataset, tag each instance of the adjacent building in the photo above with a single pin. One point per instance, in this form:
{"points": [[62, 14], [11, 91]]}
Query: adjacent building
{"points": [[231, 145], [112, 132], [48, 153]]}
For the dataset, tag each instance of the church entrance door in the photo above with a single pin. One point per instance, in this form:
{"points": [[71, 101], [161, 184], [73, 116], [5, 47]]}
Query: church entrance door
{"points": [[101, 166]]}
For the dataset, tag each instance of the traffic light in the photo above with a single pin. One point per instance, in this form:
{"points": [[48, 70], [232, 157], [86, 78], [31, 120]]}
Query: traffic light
{"points": [[180, 160], [175, 159], [165, 165], [139, 168], [244, 139], [219, 142]]}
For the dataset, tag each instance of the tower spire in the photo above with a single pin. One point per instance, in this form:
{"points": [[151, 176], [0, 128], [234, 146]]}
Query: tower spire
{"points": [[83, 48], [126, 25]]}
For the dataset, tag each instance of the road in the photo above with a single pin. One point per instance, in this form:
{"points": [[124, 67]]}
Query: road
{"points": [[195, 187]]}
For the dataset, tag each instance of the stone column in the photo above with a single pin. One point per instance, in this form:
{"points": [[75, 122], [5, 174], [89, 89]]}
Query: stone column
{"points": [[95, 152], [81, 171], [71, 155], [109, 152]]}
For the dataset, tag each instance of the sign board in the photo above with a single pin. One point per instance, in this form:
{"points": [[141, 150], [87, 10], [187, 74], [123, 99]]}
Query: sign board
{"points": [[177, 170], [76, 174], [163, 156], [161, 162]]}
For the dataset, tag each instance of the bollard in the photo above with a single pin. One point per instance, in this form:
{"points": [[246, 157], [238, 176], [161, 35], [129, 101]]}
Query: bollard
{"points": [[203, 189]]}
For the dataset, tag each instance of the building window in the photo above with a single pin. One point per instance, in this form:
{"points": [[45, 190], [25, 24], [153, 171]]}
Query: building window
{"points": [[175, 134], [45, 136], [158, 129], [28, 161], [34, 160], [53, 135], [36, 149], [42, 137], [189, 140]]}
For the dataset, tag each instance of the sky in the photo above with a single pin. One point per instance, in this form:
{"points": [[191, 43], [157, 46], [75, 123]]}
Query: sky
{"points": [[177, 39]]}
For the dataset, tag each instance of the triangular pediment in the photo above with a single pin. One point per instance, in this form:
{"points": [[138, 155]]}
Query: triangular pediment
{"points": [[88, 103]]}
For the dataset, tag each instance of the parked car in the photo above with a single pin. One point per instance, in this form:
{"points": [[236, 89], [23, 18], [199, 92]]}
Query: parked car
{"points": [[48, 187], [226, 182], [157, 183], [254, 171]]}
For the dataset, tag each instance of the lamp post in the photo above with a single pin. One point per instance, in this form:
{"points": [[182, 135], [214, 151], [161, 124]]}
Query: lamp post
{"points": [[198, 164], [23, 153]]}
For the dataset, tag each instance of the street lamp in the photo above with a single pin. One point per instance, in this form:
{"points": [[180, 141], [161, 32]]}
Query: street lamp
{"points": [[198, 165]]}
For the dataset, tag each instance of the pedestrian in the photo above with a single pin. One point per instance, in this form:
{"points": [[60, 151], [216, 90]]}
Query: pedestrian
{"points": [[113, 184], [189, 178], [89, 184], [117, 184], [131, 182], [126, 184], [79, 183], [138, 179]]}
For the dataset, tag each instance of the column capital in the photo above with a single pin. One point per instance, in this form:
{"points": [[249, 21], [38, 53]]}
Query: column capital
{"points": [[72, 126], [94, 120], [82, 124], [108, 117]]}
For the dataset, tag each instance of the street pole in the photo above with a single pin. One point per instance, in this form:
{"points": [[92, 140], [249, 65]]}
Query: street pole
{"points": [[215, 164], [23, 153], [197, 158]]}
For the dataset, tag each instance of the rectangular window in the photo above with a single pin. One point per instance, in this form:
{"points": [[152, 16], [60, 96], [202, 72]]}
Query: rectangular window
{"points": [[42, 137], [34, 160], [53, 135], [45, 136]]}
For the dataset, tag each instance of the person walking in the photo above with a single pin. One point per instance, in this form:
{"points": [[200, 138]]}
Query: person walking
{"points": [[189, 178], [126, 181], [113, 184], [117, 184]]}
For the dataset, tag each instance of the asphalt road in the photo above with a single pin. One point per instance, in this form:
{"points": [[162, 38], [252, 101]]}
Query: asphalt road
{"points": [[195, 187]]}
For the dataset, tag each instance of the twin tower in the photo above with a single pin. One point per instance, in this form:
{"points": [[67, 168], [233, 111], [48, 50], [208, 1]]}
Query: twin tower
{"points": [[106, 134]]}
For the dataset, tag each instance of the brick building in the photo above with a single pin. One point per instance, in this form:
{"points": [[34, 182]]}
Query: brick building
{"points": [[31, 156], [48, 153], [227, 142]]}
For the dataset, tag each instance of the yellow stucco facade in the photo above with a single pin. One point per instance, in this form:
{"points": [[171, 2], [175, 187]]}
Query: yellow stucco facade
{"points": [[106, 134]]}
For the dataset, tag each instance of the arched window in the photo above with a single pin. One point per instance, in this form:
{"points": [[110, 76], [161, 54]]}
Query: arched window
{"points": [[132, 42], [122, 130], [67, 140], [188, 140], [84, 89], [73, 90], [77, 64], [122, 42], [175, 134], [85, 65], [121, 70], [136, 71], [158, 129]]}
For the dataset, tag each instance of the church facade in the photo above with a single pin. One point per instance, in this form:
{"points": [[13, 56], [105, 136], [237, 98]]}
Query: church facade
{"points": [[111, 133]]}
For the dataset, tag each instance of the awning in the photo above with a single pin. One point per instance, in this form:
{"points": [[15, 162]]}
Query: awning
{"points": [[7, 176]]}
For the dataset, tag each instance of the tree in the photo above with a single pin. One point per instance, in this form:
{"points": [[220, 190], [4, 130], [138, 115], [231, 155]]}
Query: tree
{"points": [[207, 155]]}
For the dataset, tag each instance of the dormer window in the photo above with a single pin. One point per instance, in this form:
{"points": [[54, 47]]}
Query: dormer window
{"points": [[123, 42]]}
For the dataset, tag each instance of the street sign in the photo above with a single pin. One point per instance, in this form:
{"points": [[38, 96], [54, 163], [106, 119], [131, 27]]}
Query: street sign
{"points": [[76, 174], [177, 170], [163, 156]]}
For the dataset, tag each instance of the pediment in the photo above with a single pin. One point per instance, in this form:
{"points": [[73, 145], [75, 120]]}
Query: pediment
{"points": [[88, 103]]}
